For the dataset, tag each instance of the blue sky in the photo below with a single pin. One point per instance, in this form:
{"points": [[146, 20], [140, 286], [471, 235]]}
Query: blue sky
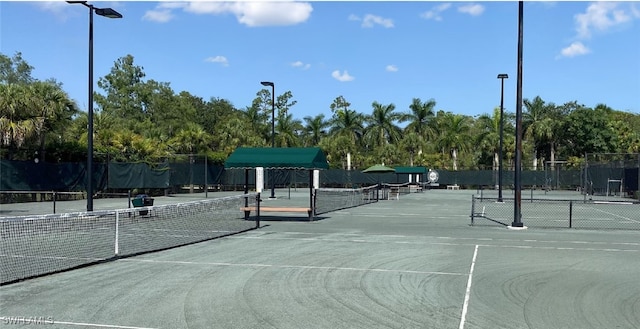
{"points": [[389, 52]]}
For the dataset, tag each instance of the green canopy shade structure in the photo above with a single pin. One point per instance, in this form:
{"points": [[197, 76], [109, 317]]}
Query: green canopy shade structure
{"points": [[411, 170], [290, 158], [309, 158], [378, 169], [419, 172]]}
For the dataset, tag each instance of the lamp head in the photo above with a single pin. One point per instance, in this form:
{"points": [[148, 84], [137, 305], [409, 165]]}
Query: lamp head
{"points": [[267, 83], [108, 12], [503, 76]]}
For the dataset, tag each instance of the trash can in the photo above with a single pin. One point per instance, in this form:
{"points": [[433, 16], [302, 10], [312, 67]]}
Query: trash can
{"points": [[142, 200]]}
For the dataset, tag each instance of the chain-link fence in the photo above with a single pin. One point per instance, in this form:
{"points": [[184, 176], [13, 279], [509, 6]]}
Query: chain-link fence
{"points": [[558, 213]]}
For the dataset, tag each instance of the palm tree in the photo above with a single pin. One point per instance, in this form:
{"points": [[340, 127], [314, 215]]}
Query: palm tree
{"points": [[381, 129], [420, 117], [287, 130], [17, 121], [190, 140], [315, 128], [349, 124], [52, 106], [411, 143], [453, 134], [488, 135], [541, 123], [29, 111]]}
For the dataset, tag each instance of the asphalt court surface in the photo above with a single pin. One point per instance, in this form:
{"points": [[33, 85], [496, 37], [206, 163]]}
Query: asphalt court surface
{"points": [[409, 263]]}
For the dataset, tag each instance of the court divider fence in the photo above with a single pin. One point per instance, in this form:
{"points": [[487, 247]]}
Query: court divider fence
{"points": [[558, 213]]}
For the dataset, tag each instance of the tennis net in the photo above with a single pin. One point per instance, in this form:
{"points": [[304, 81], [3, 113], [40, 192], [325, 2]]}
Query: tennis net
{"points": [[332, 199], [32, 246]]}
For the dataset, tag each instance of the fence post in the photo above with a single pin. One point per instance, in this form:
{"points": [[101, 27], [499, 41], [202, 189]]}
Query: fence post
{"points": [[116, 242], [473, 205], [570, 214], [258, 210]]}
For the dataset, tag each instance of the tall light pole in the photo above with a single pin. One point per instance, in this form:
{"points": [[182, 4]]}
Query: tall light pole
{"points": [[110, 13], [517, 208], [501, 76], [273, 131]]}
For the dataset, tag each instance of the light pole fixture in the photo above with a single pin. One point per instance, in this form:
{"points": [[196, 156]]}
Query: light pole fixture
{"points": [[273, 131], [517, 174], [109, 13], [501, 76]]}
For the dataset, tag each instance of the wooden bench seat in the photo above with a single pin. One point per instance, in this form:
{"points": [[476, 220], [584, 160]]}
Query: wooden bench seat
{"points": [[277, 209], [309, 211]]}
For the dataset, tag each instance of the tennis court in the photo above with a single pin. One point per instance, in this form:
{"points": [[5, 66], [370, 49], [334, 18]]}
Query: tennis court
{"points": [[415, 262]]}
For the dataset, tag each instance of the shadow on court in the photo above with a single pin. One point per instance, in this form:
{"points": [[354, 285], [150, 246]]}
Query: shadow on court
{"points": [[408, 263]]}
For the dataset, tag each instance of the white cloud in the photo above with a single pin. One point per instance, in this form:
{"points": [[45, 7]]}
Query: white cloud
{"points": [[472, 9], [371, 20], [301, 65], [575, 49], [172, 5], [342, 77], [218, 59], [158, 15], [392, 68], [58, 8], [602, 16], [256, 13], [599, 17], [635, 11], [435, 12]]}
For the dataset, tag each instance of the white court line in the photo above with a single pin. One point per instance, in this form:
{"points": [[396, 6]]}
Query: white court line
{"points": [[305, 267], [17, 319], [465, 305], [438, 237], [614, 215], [464, 244]]}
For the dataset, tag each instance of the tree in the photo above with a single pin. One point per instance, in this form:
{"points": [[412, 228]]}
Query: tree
{"points": [[125, 97], [315, 129], [411, 143], [29, 111], [587, 131], [339, 104], [288, 130], [626, 129], [15, 70], [487, 136], [381, 129], [52, 105], [543, 123], [190, 139], [346, 124], [452, 134], [420, 117]]}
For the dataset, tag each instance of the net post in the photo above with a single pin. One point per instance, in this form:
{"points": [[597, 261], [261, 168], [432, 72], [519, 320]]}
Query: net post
{"points": [[312, 211], [531, 194], [116, 246], [257, 210], [570, 214], [206, 178], [54, 202], [473, 206]]}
